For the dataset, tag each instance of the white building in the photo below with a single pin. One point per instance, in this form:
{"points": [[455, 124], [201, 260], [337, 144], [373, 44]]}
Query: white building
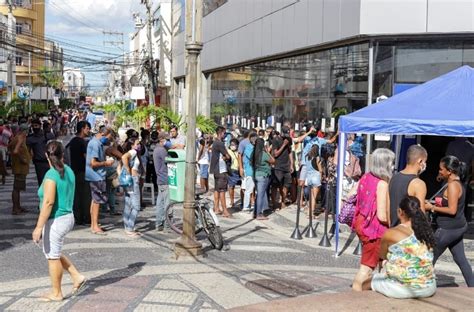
{"points": [[74, 82], [137, 61]]}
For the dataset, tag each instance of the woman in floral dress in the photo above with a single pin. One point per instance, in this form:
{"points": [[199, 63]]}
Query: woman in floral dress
{"points": [[408, 253]]}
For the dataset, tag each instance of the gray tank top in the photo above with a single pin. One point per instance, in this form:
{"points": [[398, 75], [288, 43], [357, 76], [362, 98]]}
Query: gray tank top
{"points": [[398, 189]]}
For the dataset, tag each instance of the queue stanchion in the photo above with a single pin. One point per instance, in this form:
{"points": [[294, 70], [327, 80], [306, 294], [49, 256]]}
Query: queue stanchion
{"points": [[325, 239], [358, 249], [296, 232], [309, 231]]}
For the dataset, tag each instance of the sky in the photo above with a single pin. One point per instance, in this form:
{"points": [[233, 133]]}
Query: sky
{"points": [[78, 25]]}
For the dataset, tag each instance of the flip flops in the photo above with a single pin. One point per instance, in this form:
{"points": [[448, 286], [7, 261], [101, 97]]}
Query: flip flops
{"points": [[99, 233], [79, 288]]}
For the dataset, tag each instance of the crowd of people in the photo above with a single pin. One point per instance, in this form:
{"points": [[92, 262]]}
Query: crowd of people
{"points": [[271, 168]]}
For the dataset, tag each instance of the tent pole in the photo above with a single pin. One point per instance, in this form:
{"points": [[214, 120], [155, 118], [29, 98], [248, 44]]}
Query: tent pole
{"points": [[370, 88], [341, 155]]}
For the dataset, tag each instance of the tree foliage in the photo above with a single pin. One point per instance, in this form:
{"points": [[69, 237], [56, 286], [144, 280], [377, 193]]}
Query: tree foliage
{"points": [[158, 116]]}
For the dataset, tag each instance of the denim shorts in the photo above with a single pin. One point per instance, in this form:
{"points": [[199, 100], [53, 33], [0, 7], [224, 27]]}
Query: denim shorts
{"points": [[204, 171], [54, 232], [313, 178]]}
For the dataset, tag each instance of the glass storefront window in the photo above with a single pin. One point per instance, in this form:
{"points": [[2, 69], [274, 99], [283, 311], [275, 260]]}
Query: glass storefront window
{"points": [[297, 89], [420, 62]]}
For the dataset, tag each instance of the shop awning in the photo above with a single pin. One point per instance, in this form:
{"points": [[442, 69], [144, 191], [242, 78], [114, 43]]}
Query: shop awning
{"points": [[442, 106]]}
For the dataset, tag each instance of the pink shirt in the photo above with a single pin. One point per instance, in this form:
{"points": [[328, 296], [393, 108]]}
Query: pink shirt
{"points": [[366, 206]]}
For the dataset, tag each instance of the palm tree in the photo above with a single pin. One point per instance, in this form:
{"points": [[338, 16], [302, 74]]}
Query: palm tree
{"points": [[51, 78]]}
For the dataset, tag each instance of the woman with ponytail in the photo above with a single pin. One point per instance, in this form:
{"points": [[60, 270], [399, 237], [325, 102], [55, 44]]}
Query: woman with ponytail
{"points": [[56, 219], [132, 163], [408, 253], [449, 212]]}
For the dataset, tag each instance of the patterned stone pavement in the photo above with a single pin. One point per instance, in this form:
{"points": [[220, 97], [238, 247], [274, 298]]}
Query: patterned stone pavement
{"points": [[260, 263]]}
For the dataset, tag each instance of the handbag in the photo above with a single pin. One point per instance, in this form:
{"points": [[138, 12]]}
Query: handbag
{"points": [[125, 179], [346, 215]]}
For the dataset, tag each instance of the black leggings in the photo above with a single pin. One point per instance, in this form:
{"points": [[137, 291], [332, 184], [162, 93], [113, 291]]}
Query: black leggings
{"points": [[453, 239]]}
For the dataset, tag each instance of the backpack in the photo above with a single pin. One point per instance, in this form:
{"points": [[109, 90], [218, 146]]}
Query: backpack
{"points": [[353, 170]]}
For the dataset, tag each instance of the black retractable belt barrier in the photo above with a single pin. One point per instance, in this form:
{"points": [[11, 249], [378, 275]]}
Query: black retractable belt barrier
{"points": [[309, 230], [325, 239], [296, 233], [358, 249]]}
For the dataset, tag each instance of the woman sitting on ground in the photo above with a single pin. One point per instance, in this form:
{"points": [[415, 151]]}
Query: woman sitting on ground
{"points": [[408, 251]]}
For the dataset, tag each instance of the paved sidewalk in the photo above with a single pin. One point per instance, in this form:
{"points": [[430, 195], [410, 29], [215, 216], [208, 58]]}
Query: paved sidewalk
{"points": [[259, 265]]}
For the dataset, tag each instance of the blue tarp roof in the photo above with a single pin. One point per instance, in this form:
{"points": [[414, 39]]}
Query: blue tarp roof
{"points": [[442, 106]]}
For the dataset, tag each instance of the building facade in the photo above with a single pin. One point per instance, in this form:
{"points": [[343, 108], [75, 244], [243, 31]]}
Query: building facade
{"points": [[304, 60], [74, 82], [137, 61], [30, 32]]}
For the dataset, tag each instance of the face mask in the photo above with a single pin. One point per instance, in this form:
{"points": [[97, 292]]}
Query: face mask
{"points": [[104, 141], [233, 147], [36, 130], [168, 144], [138, 148], [423, 168]]}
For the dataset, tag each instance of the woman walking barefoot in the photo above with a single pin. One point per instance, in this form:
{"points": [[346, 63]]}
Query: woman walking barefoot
{"points": [[56, 219]]}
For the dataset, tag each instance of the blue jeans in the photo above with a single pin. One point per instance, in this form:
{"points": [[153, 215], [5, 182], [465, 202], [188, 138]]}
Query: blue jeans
{"points": [[162, 202], [262, 197], [132, 204]]}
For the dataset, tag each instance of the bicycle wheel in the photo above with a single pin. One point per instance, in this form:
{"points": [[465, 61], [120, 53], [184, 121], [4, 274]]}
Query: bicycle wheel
{"points": [[213, 231], [174, 216]]}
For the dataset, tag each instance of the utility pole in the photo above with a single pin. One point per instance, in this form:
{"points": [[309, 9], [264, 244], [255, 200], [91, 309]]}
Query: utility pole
{"points": [[118, 43], [11, 51], [187, 243], [151, 69]]}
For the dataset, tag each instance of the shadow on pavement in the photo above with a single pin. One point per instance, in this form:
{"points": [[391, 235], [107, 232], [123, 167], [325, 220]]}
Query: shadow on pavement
{"points": [[111, 277]]}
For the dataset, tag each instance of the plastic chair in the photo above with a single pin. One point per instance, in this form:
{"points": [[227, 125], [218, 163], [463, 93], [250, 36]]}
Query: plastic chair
{"points": [[152, 191]]}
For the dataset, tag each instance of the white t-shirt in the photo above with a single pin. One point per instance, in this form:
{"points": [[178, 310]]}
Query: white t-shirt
{"points": [[222, 165], [134, 160]]}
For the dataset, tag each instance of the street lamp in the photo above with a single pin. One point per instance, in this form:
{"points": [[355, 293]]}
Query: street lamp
{"points": [[187, 243]]}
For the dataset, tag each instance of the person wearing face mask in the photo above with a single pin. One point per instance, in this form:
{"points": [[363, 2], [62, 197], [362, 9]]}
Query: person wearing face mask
{"points": [[36, 143], [234, 176], [159, 159], [407, 182], [96, 175], [132, 163]]}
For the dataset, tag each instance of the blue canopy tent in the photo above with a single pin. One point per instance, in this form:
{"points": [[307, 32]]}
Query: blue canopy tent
{"points": [[443, 106]]}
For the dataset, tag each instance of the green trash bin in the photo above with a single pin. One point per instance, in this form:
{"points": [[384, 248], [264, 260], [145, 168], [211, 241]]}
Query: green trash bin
{"points": [[176, 162]]}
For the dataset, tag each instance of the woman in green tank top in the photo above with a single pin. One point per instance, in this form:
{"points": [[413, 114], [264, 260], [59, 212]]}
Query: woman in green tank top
{"points": [[56, 219]]}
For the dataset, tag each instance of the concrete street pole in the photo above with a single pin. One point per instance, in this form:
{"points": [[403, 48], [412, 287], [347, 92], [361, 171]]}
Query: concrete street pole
{"points": [[29, 79], [151, 70], [187, 244]]}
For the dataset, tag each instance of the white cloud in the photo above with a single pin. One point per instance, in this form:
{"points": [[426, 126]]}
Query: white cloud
{"points": [[80, 15]]}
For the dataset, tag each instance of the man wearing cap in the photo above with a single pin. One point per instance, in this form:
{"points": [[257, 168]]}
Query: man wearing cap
{"points": [[20, 166], [36, 143], [159, 159]]}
